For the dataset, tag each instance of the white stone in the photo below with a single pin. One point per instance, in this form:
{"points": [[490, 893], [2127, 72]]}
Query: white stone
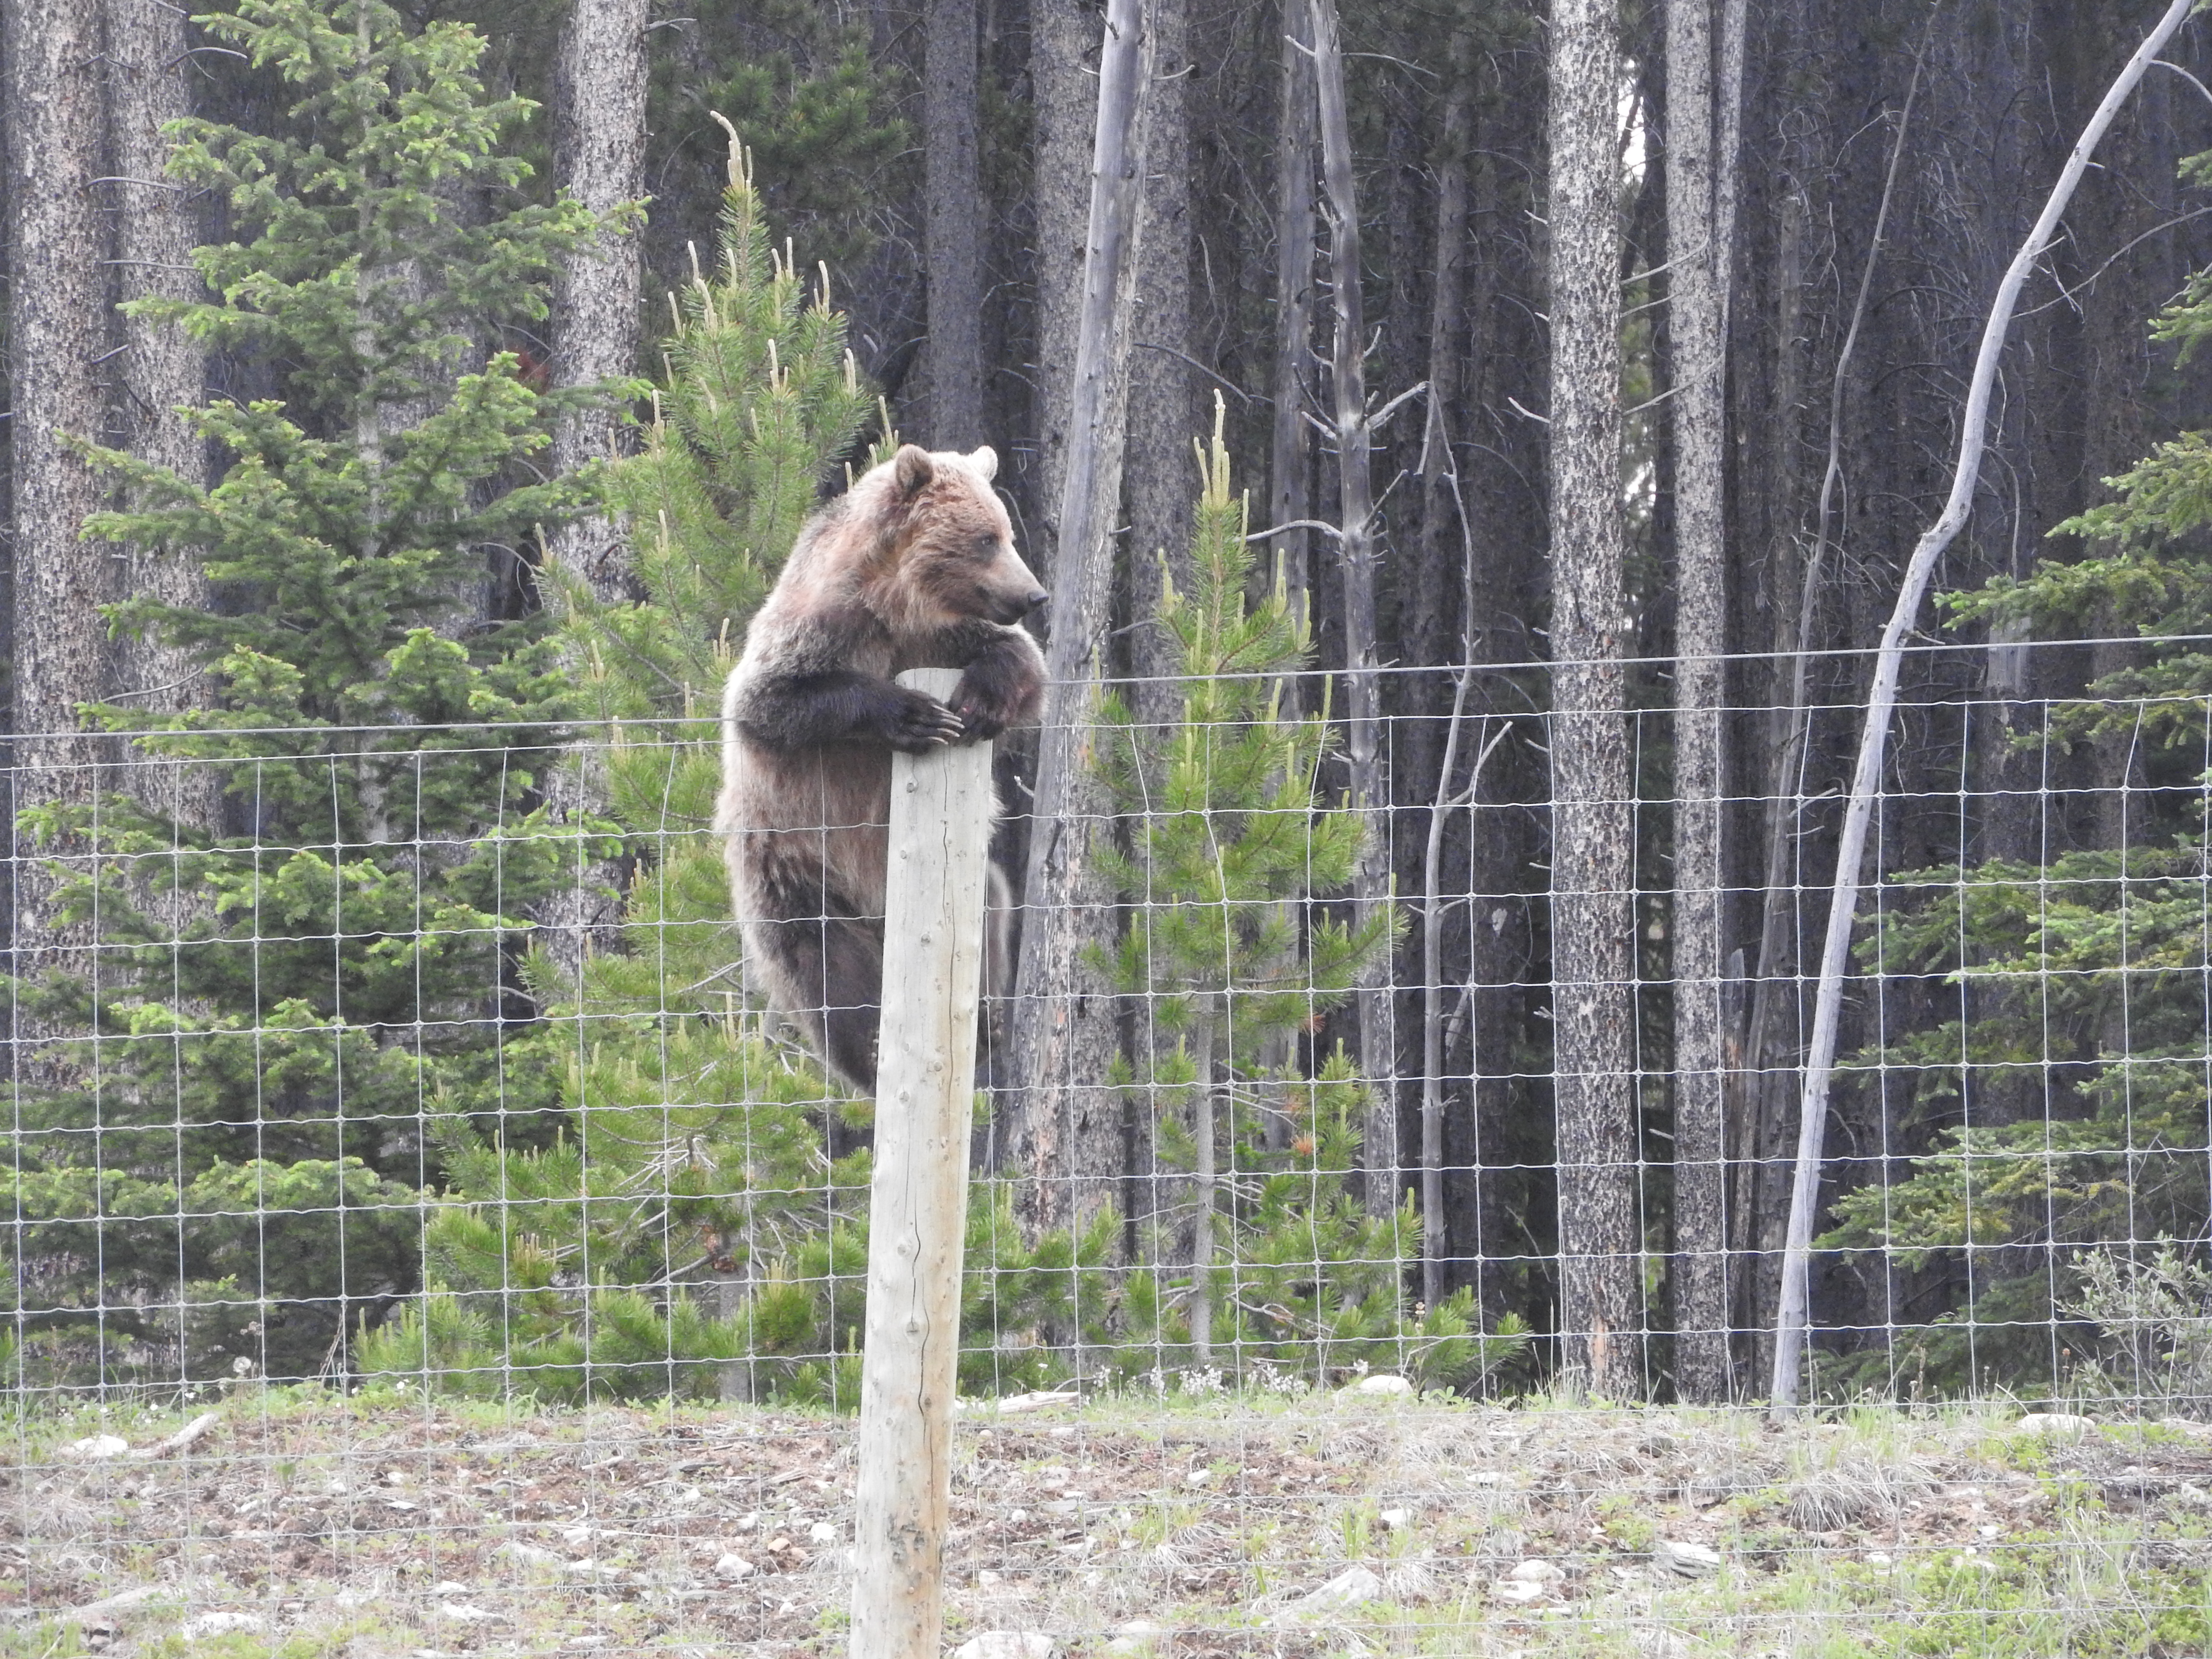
{"points": [[733, 1567], [201, 1625], [462, 1613], [1518, 1591], [96, 1448], [2065, 1425], [529, 1555], [822, 1533], [1383, 1382], [1354, 1587], [1396, 1520], [1690, 1560], [1008, 1644], [1537, 1573]]}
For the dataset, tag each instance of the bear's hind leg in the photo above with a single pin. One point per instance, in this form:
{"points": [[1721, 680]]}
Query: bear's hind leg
{"points": [[829, 975]]}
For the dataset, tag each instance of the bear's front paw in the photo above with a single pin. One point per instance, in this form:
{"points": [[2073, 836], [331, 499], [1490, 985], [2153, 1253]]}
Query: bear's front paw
{"points": [[919, 723], [988, 702]]}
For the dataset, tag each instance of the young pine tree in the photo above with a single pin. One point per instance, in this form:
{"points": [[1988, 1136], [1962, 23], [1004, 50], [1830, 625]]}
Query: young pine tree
{"points": [[282, 995], [689, 1231], [1255, 1243]]}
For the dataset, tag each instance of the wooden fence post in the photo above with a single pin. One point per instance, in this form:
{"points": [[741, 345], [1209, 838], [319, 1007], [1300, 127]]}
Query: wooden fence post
{"points": [[917, 1215]]}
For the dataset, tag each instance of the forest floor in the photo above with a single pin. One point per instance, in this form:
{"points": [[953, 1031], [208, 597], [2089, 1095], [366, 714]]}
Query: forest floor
{"points": [[298, 1525]]}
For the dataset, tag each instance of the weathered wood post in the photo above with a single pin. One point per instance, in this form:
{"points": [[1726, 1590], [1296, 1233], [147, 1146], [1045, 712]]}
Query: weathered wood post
{"points": [[917, 1216]]}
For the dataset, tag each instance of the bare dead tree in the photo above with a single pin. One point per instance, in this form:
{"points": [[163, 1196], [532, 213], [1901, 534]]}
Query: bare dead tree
{"points": [[1794, 1320], [1355, 554], [1065, 1141]]}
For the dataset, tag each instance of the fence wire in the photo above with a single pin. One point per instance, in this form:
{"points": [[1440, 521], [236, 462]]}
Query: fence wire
{"points": [[424, 1237]]}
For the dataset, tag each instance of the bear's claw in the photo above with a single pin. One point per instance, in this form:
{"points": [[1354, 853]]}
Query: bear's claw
{"points": [[922, 724]]}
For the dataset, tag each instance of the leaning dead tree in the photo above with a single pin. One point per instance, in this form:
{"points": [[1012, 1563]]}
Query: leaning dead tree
{"points": [[1063, 1033], [1794, 1321]]}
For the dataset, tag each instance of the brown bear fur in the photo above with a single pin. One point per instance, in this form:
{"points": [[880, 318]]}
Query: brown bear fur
{"points": [[915, 567]]}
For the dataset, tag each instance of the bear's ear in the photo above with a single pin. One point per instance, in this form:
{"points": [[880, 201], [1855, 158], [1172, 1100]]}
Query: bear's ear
{"points": [[985, 461], [912, 468]]}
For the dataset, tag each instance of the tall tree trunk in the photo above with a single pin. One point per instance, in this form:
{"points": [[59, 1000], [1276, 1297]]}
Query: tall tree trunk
{"points": [[1291, 449], [161, 368], [1063, 46], [598, 158], [1164, 416], [56, 334], [953, 225], [1442, 511], [1698, 267], [1593, 842], [1355, 550], [1066, 1138]]}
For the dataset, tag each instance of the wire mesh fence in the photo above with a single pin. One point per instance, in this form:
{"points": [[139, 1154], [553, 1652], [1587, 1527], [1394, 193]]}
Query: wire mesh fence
{"points": [[423, 1236]]}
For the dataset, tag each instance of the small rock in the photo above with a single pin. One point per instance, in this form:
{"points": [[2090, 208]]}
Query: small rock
{"points": [[1198, 1477], [1690, 1560], [1396, 1520], [449, 1587], [201, 1625], [462, 1613], [2183, 1426], [105, 1610], [1383, 1382], [732, 1567], [1008, 1644], [1518, 1592], [96, 1448], [1351, 1588], [1536, 1572], [822, 1533], [2057, 1425], [529, 1555]]}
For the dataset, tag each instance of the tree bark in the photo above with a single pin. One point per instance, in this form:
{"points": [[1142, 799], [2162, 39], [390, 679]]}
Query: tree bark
{"points": [[1355, 550], [953, 225], [1794, 1323], [1066, 1138], [1063, 44], [161, 368], [1593, 845], [1697, 265], [1289, 457], [56, 336], [598, 158], [1164, 415]]}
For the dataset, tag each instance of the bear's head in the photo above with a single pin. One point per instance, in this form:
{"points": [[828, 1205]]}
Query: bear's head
{"points": [[948, 551]]}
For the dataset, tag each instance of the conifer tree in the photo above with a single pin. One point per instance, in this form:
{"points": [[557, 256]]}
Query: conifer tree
{"points": [[1258, 1245], [239, 1147]]}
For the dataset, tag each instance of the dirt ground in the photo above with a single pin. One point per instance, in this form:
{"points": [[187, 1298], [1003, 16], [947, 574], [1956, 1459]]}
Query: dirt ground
{"points": [[299, 1525]]}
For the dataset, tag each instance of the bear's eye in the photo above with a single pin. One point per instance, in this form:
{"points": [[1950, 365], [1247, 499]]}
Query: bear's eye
{"points": [[985, 549]]}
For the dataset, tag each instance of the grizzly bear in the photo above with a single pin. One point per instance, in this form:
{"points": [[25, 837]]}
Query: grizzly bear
{"points": [[914, 566]]}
